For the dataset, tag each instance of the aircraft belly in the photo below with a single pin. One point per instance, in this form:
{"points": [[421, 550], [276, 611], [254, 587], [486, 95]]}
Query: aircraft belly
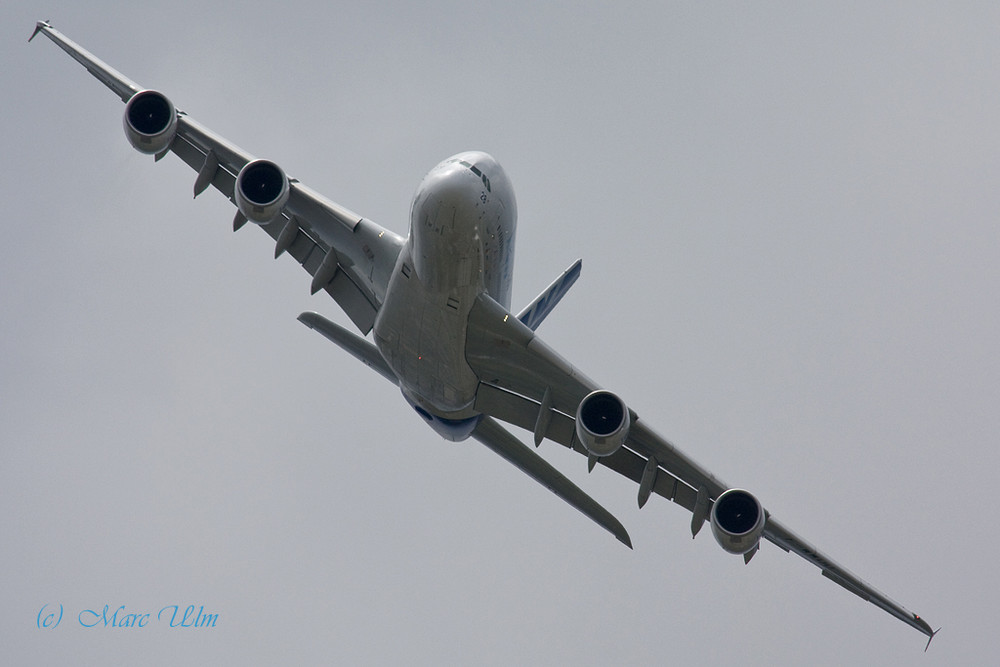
{"points": [[421, 334], [462, 223]]}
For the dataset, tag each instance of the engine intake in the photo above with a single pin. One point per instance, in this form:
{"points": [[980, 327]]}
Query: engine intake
{"points": [[737, 521], [602, 423], [262, 190], [150, 122]]}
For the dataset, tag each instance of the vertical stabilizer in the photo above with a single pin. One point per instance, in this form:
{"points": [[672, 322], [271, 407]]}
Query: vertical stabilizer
{"points": [[543, 304]]}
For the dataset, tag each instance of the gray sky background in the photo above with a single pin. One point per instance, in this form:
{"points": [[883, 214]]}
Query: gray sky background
{"points": [[789, 225]]}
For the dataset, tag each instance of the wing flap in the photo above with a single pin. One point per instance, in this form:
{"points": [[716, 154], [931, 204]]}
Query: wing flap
{"points": [[520, 411], [644, 439], [194, 141]]}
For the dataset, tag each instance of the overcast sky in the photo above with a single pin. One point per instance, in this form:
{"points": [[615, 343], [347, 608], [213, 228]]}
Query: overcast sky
{"points": [[789, 225]]}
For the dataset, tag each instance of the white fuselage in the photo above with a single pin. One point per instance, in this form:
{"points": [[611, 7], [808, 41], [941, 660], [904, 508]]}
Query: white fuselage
{"points": [[461, 243]]}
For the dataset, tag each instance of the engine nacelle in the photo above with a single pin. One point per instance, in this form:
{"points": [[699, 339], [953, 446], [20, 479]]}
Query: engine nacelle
{"points": [[261, 191], [602, 423], [150, 122], [737, 521]]}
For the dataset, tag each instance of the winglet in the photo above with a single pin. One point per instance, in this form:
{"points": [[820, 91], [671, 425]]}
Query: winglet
{"points": [[931, 637], [38, 28]]}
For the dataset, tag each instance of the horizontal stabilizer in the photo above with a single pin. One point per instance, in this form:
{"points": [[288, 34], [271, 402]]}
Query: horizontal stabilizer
{"points": [[501, 441], [359, 348], [543, 304]]}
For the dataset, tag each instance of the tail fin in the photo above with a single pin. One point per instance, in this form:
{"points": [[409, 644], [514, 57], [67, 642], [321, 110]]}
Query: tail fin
{"points": [[543, 304]]}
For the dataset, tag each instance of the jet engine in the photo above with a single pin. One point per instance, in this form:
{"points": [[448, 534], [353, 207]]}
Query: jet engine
{"points": [[737, 521], [602, 423], [261, 191], [150, 122]]}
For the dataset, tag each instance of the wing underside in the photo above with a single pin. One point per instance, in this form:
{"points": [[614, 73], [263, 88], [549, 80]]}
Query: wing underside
{"points": [[348, 256], [525, 383]]}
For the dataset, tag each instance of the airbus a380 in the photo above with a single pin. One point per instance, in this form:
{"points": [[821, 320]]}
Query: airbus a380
{"points": [[437, 304]]}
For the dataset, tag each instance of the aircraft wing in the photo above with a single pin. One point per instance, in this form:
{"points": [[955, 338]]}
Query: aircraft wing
{"points": [[525, 383], [348, 256]]}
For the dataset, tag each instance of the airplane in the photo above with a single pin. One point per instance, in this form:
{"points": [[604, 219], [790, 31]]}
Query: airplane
{"points": [[437, 306]]}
